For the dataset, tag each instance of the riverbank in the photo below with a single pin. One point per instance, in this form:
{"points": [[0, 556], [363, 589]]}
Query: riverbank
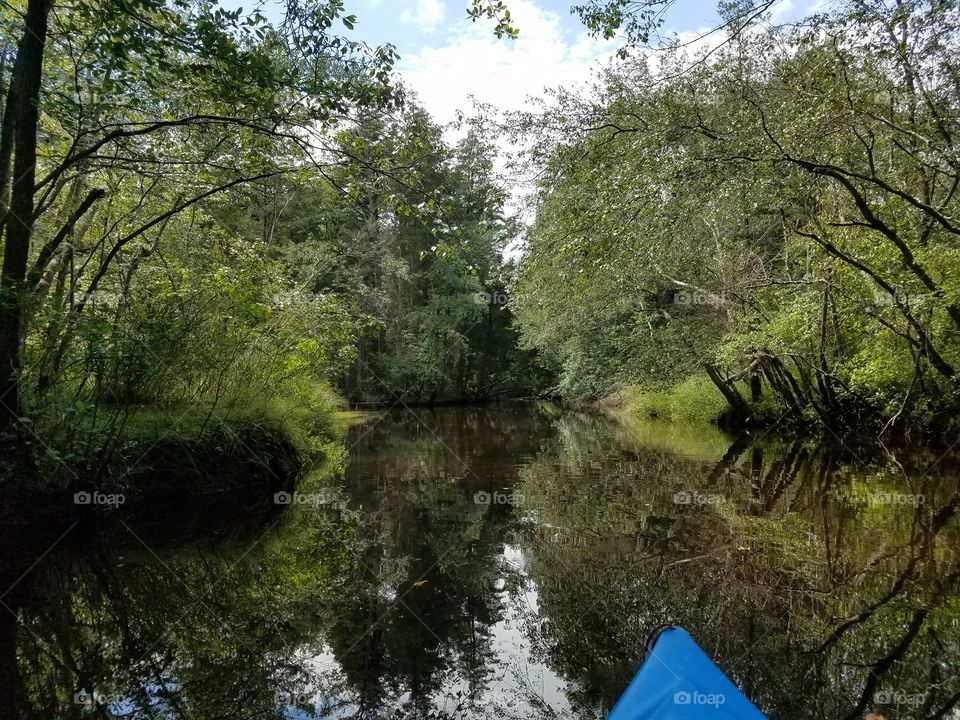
{"points": [[162, 461], [696, 400]]}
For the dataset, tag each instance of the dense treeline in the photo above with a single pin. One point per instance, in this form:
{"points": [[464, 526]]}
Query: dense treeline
{"points": [[213, 224], [403, 243], [771, 222], [420, 261]]}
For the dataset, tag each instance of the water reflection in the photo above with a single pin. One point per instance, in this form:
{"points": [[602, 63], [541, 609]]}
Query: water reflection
{"points": [[506, 562]]}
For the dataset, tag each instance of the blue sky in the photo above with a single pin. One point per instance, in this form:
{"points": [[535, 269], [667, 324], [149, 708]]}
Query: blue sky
{"points": [[413, 24], [446, 59]]}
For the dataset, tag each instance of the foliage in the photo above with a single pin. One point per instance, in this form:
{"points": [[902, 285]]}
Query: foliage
{"points": [[777, 211], [229, 217], [693, 400], [414, 249], [497, 11]]}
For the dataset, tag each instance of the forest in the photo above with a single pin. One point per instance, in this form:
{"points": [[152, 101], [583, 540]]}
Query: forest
{"points": [[315, 405], [220, 228], [217, 229]]}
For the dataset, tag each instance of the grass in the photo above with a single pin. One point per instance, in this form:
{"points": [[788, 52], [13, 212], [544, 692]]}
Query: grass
{"points": [[695, 400], [308, 421]]}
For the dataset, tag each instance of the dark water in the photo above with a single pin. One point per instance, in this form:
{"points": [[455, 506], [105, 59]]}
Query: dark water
{"points": [[506, 562]]}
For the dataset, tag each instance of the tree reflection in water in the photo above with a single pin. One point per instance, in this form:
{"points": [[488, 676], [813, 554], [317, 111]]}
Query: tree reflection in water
{"points": [[505, 562]]}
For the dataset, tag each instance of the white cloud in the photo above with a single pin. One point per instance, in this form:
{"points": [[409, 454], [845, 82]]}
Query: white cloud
{"points": [[472, 62], [427, 14]]}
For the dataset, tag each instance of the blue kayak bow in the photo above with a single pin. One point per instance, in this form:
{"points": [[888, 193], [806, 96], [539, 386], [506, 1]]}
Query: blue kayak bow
{"points": [[677, 681]]}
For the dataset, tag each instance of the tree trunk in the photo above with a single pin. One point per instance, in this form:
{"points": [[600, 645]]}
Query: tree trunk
{"points": [[27, 73], [728, 390]]}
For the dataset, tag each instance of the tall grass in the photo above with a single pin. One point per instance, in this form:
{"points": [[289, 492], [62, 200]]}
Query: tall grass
{"points": [[695, 400]]}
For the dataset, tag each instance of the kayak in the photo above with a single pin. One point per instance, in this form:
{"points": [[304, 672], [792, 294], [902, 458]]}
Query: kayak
{"points": [[677, 681]]}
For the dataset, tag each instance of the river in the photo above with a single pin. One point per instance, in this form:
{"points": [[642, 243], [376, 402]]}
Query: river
{"points": [[508, 561]]}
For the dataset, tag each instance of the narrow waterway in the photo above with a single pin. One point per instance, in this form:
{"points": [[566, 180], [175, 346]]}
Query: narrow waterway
{"points": [[509, 562]]}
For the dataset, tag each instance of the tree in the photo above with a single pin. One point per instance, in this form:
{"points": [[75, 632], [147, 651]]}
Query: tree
{"points": [[415, 251], [134, 114], [771, 205]]}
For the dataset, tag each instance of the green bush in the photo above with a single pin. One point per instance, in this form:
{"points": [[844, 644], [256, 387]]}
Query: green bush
{"points": [[306, 416], [696, 399]]}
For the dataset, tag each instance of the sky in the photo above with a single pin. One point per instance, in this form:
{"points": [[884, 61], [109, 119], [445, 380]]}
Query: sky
{"points": [[448, 61], [445, 57]]}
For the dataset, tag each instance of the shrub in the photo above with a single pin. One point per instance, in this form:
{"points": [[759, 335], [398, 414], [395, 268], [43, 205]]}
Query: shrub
{"points": [[695, 399]]}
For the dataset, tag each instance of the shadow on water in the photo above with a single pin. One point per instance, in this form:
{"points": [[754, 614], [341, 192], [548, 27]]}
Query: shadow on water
{"points": [[504, 562]]}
